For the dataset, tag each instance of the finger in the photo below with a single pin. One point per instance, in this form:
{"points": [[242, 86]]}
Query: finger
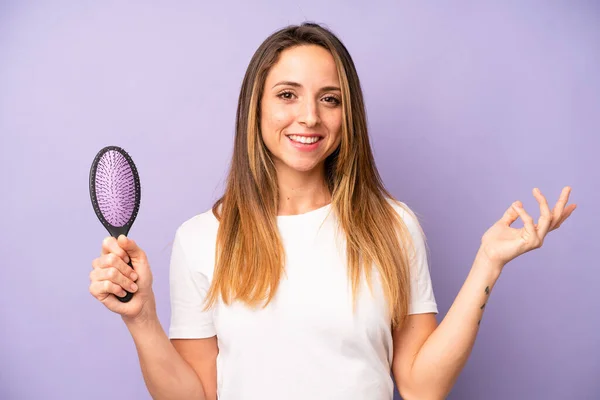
{"points": [[113, 261], [527, 220], [565, 215], [545, 217], [101, 289], [131, 247], [510, 216], [557, 212], [110, 245], [115, 276]]}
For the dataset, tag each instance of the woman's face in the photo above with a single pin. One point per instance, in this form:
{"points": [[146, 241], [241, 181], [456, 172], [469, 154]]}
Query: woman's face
{"points": [[301, 110]]}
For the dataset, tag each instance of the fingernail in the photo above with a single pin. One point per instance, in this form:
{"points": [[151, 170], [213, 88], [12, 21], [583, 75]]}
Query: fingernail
{"points": [[134, 276], [134, 287]]}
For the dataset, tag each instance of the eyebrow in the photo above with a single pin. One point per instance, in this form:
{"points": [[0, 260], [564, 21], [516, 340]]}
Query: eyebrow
{"points": [[296, 84]]}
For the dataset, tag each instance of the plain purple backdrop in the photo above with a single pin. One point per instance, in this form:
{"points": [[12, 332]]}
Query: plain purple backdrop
{"points": [[470, 107]]}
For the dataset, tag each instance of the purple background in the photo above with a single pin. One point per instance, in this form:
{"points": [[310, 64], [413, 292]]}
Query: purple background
{"points": [[470, 106]]}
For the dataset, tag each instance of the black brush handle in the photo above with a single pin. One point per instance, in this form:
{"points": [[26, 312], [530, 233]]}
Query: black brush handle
{"points": [[129, 295], [116, 232]]}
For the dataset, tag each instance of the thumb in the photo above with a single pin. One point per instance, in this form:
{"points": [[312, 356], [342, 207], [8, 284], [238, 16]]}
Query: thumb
{"points": [[131, 247]]}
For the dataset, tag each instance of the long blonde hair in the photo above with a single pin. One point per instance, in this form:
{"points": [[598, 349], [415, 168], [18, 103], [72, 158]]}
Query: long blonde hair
{"points": [[250, 257]]}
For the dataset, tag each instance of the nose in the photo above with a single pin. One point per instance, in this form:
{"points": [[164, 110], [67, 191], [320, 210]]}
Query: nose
{"points": [[309, 113]]}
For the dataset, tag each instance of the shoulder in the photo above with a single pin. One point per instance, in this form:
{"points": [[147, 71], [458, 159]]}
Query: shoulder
{"points": [[408, 216], [196, 238], [200, 225]]}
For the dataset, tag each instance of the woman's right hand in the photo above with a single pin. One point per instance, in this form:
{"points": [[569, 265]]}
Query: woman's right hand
{"points": [[112, 276]]}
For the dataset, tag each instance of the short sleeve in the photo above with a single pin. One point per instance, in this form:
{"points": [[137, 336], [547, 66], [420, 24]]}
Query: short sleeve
{"points": [[188, 288], [421, 287]]}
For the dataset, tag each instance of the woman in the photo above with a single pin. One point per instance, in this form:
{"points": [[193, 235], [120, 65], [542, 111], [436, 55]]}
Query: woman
{"points": [[306, 280]]}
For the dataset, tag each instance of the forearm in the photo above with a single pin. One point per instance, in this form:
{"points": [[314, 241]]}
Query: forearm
{"points": [[166, 373], [442, 357]]}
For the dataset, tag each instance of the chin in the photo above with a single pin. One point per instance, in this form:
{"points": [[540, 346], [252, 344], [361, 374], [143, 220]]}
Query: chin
{"points": [[302, 166]]}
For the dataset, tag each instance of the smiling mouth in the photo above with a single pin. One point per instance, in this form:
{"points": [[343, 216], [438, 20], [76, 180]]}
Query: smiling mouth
{"points": [[304, 139]]}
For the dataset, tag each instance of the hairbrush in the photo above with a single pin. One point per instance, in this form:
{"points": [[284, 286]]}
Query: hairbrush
{"points": [[115, 193]]}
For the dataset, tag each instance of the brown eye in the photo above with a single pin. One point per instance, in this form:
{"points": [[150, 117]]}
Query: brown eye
{"points": [[332, 99], [286, 95]]}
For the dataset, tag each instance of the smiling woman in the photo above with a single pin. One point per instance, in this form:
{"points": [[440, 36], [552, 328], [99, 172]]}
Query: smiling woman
{"points": [[307, 279], [302, 161]]}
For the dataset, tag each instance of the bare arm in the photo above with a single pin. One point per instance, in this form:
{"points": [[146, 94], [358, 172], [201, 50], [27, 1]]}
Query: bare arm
{"points": [[428, 358], [167, 375], [428, 371], [201, 355]]}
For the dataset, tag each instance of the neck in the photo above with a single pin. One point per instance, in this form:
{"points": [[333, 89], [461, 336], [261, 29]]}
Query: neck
{"points": [[301, 192]]}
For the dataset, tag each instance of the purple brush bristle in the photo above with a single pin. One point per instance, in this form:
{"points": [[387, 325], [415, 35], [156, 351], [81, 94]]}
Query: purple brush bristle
{"points": [[115, 188]]}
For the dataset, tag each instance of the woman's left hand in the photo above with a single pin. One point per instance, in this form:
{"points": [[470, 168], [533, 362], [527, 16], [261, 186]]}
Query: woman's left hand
{"points": [[501, 243]]}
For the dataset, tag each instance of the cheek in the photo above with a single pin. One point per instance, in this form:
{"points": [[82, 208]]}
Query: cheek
{"points": [[282, 117], [274, 120], [275, 117], [334, 124]]}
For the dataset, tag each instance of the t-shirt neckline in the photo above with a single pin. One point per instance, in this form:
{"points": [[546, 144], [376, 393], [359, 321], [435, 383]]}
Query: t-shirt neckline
{"points": [[309, 214]]}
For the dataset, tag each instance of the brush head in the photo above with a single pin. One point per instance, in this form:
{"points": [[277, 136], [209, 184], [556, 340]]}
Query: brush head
{"points": [[115, 189]]}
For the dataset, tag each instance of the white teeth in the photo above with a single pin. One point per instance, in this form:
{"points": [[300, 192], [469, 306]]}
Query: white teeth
{"points": [[303, 139]]}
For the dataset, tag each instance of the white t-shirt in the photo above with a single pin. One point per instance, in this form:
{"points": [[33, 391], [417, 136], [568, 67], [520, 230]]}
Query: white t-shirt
{"points": [[307, 343]]}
